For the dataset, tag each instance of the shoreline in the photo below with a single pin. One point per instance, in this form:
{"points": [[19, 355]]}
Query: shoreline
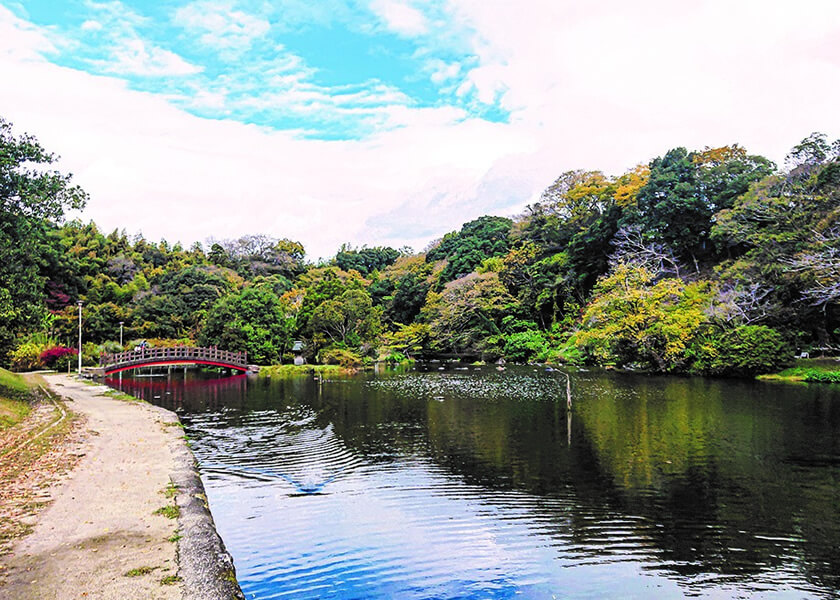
{"points": [[109, 530]]}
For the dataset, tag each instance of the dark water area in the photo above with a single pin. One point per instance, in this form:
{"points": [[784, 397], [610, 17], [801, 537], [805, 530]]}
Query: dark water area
{"points": [[479, 484]]}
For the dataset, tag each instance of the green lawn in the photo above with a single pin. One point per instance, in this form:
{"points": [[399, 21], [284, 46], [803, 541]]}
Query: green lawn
{"points": [[14, 398], [292, 370], [816, 370]]}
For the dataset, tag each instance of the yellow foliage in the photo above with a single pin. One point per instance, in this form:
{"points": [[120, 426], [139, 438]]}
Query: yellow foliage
{"points": [[627, 187]]}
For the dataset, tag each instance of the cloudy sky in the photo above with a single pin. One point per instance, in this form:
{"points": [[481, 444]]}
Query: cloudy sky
{"points": [[394, 121]]}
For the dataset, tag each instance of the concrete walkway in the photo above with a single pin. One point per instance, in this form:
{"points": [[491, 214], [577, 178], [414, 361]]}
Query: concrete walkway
{"points": [[101, 537]]}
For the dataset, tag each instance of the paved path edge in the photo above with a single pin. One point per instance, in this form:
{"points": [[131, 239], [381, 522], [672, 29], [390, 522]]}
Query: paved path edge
{"points": [[205, 566]]}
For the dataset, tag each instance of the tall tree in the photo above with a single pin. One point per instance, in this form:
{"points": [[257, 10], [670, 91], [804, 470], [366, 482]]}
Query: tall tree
{"points": [[31, 197]]}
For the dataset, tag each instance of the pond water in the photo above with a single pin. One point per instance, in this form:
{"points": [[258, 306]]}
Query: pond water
{"points": [[478, 484]]}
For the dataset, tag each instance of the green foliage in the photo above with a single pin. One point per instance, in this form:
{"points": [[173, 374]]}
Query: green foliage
{"points": [[744, 351], [763, 245], [809, 370], [342, 357], [31, 197], [634, 320], [27, 357], [349, 319], [253, 320], [395, 357], [467, 313], [466, 249], [410, 340], [671, 207], [525, 346], [365, 260], [822, 376]]}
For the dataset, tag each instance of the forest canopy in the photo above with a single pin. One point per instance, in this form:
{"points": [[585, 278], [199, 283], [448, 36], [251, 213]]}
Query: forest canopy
{"points": [[712, 261]]}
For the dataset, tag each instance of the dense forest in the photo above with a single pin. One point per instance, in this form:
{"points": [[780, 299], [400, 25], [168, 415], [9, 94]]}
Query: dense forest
{"points": [[711, 261]]}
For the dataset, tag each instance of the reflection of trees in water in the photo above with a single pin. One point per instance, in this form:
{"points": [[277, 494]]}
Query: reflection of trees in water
{"points": [[193, 393], [700, 462], [723, 478], [709, 462]]}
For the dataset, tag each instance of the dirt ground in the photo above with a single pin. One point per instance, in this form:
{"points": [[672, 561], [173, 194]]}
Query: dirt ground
{"points": [[109, 530]]}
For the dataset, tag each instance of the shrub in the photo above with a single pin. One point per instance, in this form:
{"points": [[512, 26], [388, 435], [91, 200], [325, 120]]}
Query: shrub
{"points": [[57, 357], [27, 357], [745, 351], [822, 376], [524, 346], [341, 356], [395, 356], [90, 354]]}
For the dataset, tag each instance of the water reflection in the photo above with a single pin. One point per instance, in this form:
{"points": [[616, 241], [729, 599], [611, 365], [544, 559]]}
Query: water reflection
{"points": [[479, 484]]}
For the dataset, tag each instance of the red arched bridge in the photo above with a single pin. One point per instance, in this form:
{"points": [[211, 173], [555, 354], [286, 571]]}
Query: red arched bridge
{"points": [[176, 355]]}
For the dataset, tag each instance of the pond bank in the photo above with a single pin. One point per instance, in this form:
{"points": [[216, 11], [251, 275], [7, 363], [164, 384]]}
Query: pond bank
{"points": [[111, 530]]}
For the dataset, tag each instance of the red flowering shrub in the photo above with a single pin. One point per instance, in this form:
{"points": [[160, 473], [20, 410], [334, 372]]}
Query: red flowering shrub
{"points": [[51, 356]]}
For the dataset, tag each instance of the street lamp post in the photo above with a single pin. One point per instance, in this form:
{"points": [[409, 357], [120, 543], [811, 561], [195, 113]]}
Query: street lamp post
{"points": [[121, 331], [80, 337]]}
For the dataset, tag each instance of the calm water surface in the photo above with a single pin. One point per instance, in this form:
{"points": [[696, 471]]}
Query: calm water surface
{"points": [[480, 484]]}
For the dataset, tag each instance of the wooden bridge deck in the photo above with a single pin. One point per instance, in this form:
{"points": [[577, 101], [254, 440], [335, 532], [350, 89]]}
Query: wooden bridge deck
{"points": [[176, 355]]}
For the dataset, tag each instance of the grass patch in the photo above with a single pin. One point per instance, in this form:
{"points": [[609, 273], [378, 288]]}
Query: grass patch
{"points": [[174, 537], [169, 511], [118, 395], [303, 370], [139, 571], [171, 490], [813, 370], [15, 399], [230, 576], [170, 580]]}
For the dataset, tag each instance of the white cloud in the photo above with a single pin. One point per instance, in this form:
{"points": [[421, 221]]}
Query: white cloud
{"points": [[22, 41], [137, 57], [400, 17], [152, 168], [91, 25], [221, 26], [128, 53], [441, 71], [601, 86]]}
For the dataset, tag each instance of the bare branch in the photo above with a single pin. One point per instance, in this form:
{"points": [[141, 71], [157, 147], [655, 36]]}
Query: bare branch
{"points": [[631, 248]]}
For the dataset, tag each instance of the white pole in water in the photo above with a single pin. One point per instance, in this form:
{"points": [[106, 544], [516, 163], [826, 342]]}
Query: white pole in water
{"points": [[80, 337]]}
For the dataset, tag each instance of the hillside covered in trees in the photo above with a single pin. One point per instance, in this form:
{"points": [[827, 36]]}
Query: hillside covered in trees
{"points": [[711, 261]]}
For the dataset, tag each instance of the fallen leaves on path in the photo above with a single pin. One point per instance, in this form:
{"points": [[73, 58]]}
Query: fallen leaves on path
{"points": [[34, 455]]}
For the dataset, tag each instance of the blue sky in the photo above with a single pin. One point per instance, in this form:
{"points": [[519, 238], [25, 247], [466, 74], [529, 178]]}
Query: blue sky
{"points": [[325, 69], [391, 122]]}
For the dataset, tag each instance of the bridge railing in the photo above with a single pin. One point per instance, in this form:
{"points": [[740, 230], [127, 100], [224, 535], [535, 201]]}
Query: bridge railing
{"points": [[186, 354]]}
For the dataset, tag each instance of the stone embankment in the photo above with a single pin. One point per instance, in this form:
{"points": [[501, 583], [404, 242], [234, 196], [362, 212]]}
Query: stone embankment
{"points": [[129, 520]]}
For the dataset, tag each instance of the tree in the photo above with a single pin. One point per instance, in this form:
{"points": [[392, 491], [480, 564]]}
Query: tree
{"points": [[635, 319], [253, 320], [467, 313], [727, 172], [365, 260], [476, 241], [745, 351], [31, 197], [349, 320], [671, 207]]}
